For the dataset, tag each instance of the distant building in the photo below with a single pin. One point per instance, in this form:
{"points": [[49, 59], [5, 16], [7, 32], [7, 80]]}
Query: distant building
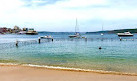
{"points": [[16, 28], [3, 30], [25, 29], [9, 30]]}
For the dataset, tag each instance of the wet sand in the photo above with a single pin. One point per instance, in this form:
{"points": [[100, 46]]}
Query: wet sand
{"points": [[25, 73]]}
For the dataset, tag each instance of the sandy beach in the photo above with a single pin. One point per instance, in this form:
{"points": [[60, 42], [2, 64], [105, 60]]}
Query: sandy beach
{"points": [[25, 73]]}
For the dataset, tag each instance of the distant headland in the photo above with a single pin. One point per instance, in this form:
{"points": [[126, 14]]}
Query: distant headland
{"points": [[115, 31]]}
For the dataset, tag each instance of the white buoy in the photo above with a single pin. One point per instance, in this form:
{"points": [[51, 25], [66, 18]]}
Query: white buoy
{"points": [[102, 34]]}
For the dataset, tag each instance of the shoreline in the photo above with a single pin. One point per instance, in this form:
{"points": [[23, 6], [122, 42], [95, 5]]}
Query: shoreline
{"points": [[68, 69], [26, 73]]}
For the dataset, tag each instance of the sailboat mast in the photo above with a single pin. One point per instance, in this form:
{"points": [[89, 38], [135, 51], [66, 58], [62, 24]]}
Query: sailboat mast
{"points": [[102, 31], [76, 26], [102, 27]]}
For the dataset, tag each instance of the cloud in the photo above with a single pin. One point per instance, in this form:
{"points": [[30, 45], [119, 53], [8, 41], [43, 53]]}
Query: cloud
{"points": [[37, 3], [81, 3], [59, 15], [8, 10], [9, 5], [123, 3]]}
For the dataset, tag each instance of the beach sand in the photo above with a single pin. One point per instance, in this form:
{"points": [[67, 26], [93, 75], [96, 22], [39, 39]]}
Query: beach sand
{"points": [[25, 73]]}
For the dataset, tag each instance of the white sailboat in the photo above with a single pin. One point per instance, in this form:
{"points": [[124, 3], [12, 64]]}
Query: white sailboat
{"points": [[102, 31], [77, 34]]}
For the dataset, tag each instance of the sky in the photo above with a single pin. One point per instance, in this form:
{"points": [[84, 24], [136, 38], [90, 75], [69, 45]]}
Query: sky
{"points": [[60, 15]]}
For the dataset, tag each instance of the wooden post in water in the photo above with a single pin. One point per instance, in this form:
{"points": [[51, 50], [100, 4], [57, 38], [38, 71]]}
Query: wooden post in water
{"points": [[39, 40], [86, 39], [16, 43], [120, 39]]}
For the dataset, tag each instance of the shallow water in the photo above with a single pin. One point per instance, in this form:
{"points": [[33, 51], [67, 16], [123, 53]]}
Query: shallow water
{"points": [[115, 55]]}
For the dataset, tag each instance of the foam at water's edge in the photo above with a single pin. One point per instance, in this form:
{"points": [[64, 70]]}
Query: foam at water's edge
{"points": [[72, 69]]}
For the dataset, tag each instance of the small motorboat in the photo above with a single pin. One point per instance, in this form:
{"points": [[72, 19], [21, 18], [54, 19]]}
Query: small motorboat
{"points": [[46, 37], [125, 34], [22, 32]]}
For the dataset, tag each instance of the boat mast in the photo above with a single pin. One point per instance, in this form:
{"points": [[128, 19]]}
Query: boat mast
{"points": [[76, 27], [102, 27], [102, 30]]}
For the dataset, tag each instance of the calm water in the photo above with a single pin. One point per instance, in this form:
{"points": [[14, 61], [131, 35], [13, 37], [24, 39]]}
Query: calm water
{"points": [[115, 55]]}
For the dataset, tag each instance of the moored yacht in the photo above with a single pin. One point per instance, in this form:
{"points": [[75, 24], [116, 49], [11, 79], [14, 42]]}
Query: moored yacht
{"points": [[46, 37], [125, 34], [77, 34], [102, 31]]}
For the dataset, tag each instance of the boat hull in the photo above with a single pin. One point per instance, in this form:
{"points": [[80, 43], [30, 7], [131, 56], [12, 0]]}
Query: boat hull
{"points": [[74, 36], [46, 37], [31, 33], [125, 35]]}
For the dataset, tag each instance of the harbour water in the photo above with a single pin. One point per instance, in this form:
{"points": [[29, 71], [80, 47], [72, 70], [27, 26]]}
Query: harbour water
{"points": [[115, 55]]}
